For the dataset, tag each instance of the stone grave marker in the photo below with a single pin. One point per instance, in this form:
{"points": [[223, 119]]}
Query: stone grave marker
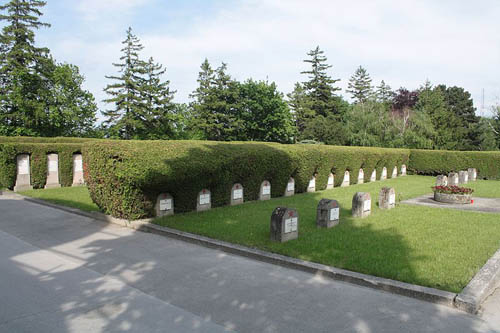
{"points": [[347, 179], [290, 187], [361, 204], [384, 174], [236, 194], [311, 187], [387, 198], [23, 179], [403, 170], [331, 181], [472, 174], [265, 190], [78, 170], [164, 205], [394, 172], [204, 201], [361, 176], [52, 171], [453, 179], [373, 177], [463, 177], [327, 213], [441, 180], [284, 224]]}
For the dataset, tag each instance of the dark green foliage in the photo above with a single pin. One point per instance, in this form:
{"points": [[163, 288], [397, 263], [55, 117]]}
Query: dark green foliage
{"points": [[384, 93], [360, 86]]}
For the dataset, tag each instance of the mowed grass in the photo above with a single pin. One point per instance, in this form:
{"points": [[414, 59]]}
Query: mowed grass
{"points": [[434, 247], [76, 197]]}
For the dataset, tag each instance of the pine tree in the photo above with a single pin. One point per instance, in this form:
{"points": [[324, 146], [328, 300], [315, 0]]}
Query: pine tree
{"points": [[300, 105], [126, 119], [360, 85], [384, 93]]}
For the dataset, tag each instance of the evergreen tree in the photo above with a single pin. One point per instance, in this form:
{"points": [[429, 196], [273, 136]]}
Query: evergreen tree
{"points": [[360, 85], [126, 119], [384, 93], [300, 106]]}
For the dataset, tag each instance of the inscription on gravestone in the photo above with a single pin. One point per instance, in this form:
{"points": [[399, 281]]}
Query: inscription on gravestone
{"points": [[164, 205], [347, 179], [331, 181], [236, 194], [52, 171], [361, 176], [78, 170], [472, 174], [204, 201], [265, 190], [453, 179], [361, 204], [284, 224], [290, 188], [441, 180], [327, 213], [387, 198], [23, 179]]}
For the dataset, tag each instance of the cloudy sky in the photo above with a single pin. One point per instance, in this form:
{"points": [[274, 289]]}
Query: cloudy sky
{"points": [[455, 42]]}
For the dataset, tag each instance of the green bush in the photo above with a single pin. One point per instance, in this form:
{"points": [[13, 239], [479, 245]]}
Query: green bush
{"points": [[125, 178], [29, 139], [436, 162], [38, 162]]}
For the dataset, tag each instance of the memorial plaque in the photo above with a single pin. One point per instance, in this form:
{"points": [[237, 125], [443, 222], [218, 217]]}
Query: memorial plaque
{"points": [[387, 198], [204, 201], [284, 224], [361, 176], [441, 180], [373, 177], [327, 213], [236, 194], [23, 179], [265, 190], [53, 167], [394, 172], [384, 174], [23, 165], [347, 179], [453, 179], [331, 181], [472, 174], [78, 170], [52, 171], [361, 204], [311, 187], [290, 188], [164, 205], [403, 170], [463, 177]]}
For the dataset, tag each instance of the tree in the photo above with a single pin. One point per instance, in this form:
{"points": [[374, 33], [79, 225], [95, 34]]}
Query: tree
{"points": [[369, 125], [360, 85], [384, 93], [300, 105]]}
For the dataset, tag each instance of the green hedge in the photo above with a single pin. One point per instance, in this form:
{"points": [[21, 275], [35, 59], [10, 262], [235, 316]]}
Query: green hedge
{"points": [[38, 162], [125, 178], [29, 139], [436, 162]]}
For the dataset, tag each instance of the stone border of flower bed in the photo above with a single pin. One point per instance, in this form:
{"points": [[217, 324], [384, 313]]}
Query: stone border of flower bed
{"points": [[469, 300]]}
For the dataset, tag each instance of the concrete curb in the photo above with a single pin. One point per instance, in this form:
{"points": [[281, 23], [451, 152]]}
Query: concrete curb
{"points": [[481, 286], [469, 300]]}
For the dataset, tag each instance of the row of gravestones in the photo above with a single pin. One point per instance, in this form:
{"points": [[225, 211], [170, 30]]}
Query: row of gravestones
{"points": [[285, 221], [455, 179], [23, 179], [165, 202]]}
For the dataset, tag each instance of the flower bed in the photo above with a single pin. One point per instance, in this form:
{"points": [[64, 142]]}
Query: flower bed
{"points": [[453, 194]]}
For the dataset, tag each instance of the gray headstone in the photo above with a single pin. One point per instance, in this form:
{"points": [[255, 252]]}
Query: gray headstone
{"points": [[394, 172], [384, 174], [403, 170], [78, 170], [311, 187], [441, 180], [453, 179], [204, 201], [284, 224], [164, 205], [387, 198], [347, 179], [23, 179], [327, 213], [265, 190], [237, 195], [463, 177], [373, 177], [472, 174], [331, 181], [361, 204], [52, 171], [290, 188], [361, 176]]}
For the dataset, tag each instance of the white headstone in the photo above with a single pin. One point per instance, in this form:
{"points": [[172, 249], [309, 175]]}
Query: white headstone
{"points": [[347, 179], [290, 188], [331, 182], [403, 170], [164, 205], [78, 170], [394, 172], [52, 171], [265, 190], [373, 177], [23, 179], [204, 201], [384, 174], [236, 194], [311, 187], [361, 176]]}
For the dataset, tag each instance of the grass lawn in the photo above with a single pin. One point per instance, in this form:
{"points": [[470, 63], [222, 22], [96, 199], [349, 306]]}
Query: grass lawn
{"points": [[76, 197], [440, 248]]}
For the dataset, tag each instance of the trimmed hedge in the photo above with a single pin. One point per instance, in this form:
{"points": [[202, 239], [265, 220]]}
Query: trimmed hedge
{"points": [[125, 178], [38, 162], [438, 162], [58, 139]]}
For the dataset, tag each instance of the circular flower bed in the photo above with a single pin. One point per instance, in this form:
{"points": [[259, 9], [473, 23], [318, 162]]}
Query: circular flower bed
{"points": [[453, 194]]}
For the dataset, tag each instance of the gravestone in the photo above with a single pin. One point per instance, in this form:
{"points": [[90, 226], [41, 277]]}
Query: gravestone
{"points": [[387, 198], [453, 179], [284, 224], [52, 171], [383, 176], [290, 188], [265, 190], [463, 177], [361, 204], [78, 170], [472, 174], [347, 179], [373, 177], [23, 179], [403, 170], [331, 181], [442, 180], [311, 187], [394, 172], [361, 176], [236, 194], [327, 213], [204, 201], [164, 205]]}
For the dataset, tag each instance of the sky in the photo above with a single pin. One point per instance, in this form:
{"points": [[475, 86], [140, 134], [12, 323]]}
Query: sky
{"points": [[404, 43]]}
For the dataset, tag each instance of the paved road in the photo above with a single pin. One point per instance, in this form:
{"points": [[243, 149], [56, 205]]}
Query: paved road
{"points": [[61, 272]]}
